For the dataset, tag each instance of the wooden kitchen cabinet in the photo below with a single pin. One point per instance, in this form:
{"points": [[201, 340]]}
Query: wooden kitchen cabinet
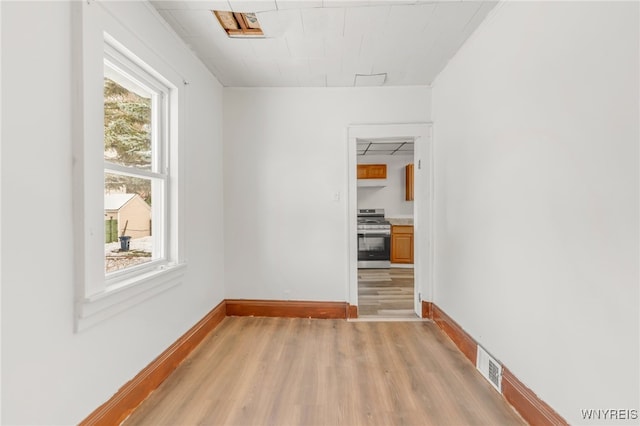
{"points": [[409, 182], [401, 244], [372, 171]]}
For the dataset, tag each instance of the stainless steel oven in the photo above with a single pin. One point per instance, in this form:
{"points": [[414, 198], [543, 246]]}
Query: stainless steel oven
{"points": [[374, 239]]}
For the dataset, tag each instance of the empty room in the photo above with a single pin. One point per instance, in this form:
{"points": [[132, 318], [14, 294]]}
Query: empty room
{"points": [[320, 212]]}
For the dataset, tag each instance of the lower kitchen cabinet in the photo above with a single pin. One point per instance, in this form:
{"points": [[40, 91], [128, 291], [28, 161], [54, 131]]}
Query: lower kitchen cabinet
{"points": [[401, 244]]}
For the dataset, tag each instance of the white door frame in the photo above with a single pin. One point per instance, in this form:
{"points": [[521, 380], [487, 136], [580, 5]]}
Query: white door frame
{"points": [[422, 205]]}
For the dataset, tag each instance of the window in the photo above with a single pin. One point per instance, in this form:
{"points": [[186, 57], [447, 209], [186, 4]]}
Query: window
{"points": [[135, 167], [127, 170]]}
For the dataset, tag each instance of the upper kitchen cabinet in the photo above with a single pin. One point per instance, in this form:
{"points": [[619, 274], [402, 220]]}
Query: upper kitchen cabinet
{"points": [[409, 182], [372, 171]]}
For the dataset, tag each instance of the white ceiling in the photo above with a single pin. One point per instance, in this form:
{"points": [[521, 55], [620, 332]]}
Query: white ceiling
{"points": [[387, 146], [328, 42]]}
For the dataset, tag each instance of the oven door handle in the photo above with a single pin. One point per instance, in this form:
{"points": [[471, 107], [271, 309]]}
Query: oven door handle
{"points": [[374, 234]]}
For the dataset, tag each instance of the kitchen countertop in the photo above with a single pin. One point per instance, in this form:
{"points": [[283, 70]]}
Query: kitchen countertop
{"points": [[401, 221]]}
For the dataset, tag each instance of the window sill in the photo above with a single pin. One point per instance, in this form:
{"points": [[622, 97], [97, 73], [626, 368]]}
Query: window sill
{"points": [[126, 294]]}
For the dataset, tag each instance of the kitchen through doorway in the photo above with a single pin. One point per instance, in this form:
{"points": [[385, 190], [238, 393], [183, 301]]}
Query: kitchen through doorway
{"points": [[395, 164], [385, 227]]}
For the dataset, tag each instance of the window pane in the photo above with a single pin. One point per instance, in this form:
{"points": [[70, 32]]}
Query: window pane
{"points": [[128, 221], [127, 126]]}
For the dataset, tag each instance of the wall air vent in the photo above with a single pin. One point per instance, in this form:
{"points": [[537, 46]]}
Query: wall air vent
{"points": [[489, 368]]}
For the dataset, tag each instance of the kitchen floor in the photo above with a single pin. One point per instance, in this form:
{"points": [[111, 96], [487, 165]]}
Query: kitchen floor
{"points": [[385, 293]]}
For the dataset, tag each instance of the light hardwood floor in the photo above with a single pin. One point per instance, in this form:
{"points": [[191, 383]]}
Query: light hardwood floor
{"points": [[385, 293], [283, 371]]}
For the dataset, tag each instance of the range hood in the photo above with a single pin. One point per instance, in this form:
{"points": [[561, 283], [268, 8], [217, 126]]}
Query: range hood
{"points": [[372, 183]]}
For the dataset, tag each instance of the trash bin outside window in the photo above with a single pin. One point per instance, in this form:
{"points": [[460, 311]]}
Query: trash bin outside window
{"points": [[124, 242]]}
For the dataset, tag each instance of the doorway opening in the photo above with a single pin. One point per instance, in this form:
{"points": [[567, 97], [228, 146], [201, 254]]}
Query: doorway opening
{"points": [[385, 227], [390, 178]]}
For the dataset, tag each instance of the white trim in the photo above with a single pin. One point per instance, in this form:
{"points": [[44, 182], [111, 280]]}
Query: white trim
{"points": [[423, 204], [96, 297], [388, 319], [431, 250], [1, 286], [131, 73], [132, 171], [123, 276], [99, 307]]}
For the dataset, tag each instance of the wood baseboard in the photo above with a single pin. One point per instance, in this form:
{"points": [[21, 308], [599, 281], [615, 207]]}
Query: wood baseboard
{"points": [[427, 310], [526, 402], [463, 341], [287, 309], [116, 409], [352, 312], [534, 410]]}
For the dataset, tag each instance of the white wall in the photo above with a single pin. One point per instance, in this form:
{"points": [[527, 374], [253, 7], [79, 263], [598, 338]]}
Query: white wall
{"points": [[285, 154], [51, 375], [392, 196], [536, 134]]}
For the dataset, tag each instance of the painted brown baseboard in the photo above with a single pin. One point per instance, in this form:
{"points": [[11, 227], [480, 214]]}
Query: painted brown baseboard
{"points": [[526, 402], [427, 309], [116, 409], [353, 311], [532, 409], [463, 341], [287, 309]]}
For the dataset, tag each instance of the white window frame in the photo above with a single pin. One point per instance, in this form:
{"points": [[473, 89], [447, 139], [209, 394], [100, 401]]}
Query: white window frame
{"points": [[126, 72], [98, 40]]}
